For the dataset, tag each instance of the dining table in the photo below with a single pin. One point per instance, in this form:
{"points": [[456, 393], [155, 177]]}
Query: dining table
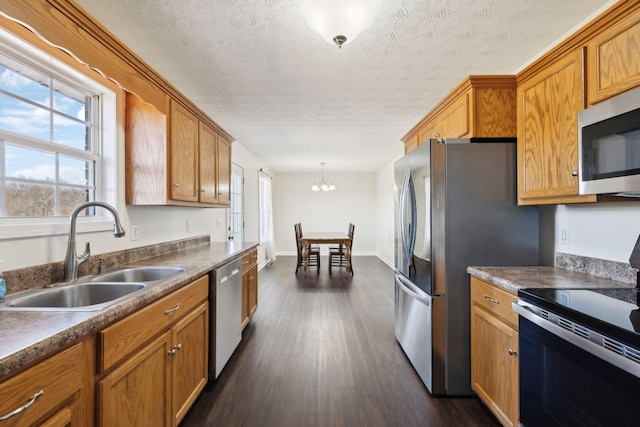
{"points": [[326, 238]]}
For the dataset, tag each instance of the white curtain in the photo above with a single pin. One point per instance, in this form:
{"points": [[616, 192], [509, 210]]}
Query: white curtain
{"points": [[270, 245]]}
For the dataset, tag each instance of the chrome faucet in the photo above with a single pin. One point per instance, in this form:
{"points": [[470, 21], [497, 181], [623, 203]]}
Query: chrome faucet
{"points": [[71, 260]]}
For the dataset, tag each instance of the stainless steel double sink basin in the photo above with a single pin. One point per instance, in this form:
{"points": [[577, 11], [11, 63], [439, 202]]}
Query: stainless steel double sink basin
{"points": [[91, 294]]}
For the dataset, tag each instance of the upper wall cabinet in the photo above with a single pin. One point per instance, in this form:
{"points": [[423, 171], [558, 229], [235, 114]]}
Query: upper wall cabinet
{"points": [[183, 154], [548, 105], [480, 106], [191, 168], [596, 63], [613, 59]]}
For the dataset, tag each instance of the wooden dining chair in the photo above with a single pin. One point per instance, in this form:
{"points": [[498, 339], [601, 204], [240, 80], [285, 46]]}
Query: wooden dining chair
{"points": [[314, 253], [337, 256]]}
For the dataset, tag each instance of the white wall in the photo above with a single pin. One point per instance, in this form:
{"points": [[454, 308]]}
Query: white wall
{"points": [[384, 217], [605, 230], [354, 200]]}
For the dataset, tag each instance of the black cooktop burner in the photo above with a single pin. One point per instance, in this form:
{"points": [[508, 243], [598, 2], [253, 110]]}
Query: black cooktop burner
{"points": [[614, 312]]}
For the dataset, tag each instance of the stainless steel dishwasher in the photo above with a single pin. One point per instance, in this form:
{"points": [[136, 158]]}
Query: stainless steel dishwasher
{"points": [[226, 301]]}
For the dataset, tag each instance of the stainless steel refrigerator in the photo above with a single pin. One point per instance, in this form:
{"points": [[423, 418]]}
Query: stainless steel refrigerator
{"points": [[455, 206]]}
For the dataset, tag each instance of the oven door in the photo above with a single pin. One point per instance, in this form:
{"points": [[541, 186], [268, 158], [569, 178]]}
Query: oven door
{"points": [[563, 383]]}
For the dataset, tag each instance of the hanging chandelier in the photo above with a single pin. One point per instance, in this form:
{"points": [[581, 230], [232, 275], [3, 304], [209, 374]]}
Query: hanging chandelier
{"points": [[322, 184], [339, 21]]}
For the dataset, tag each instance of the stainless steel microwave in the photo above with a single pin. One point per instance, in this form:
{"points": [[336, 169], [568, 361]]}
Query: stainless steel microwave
{"points": [[609, 146]]}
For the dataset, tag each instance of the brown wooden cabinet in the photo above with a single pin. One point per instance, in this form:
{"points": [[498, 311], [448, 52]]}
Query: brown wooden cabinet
{"points": [[190, 168], [494, 351], [249, 286], [224, 171], [480, 106], [155, 361], [548, 105], [54, 389], [138, 391], [183, 154], [613, 61]]}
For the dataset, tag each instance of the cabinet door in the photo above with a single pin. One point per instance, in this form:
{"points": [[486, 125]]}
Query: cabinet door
{"points": [[454, 122], [190, 361], [411, 145], [208, 154], [494, 365], [52, 386], [224, 171], [613, 60], [429, 132], [548, 133], [184, 154], [253, 290], [138, 392], [145, 153]]}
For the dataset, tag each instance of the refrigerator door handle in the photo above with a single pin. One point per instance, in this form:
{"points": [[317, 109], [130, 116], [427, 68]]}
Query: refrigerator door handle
{"points": [[408, 241], [411, 289]]}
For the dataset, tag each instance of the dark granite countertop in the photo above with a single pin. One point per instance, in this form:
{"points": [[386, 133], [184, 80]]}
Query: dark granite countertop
{"points": [[26, 337], [511, 279]]}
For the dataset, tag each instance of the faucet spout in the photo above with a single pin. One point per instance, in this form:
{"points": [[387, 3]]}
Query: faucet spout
{"points": [[72, 261]]}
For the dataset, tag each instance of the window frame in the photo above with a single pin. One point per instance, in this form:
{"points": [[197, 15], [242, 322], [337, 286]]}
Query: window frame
{"points": [[104, 138]]}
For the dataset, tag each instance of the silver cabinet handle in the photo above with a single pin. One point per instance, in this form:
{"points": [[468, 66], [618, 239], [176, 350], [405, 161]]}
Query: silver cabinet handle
{"points": [[175, 348], [24, 407], [574, 173], [489, 299], [176, 185], [173, 310], [512, 352]]}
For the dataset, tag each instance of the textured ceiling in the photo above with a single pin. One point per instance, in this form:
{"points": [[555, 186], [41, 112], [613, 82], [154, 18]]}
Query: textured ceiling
{"points": [[294, 100]]}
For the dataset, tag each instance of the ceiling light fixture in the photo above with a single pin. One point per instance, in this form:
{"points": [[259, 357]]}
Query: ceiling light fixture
{"points": [[322, 184], [339, 21]]}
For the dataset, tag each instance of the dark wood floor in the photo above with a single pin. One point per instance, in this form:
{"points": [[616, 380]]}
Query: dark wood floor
{"points": [[321, 351]]}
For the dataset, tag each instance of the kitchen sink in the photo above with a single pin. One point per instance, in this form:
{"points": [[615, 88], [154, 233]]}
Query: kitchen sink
{"points": [[138, 274], [75, 297]]}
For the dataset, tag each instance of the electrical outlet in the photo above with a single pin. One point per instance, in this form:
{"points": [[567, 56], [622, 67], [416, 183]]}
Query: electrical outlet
{"points": [[135, 231], [188, 226], [564, 235]]}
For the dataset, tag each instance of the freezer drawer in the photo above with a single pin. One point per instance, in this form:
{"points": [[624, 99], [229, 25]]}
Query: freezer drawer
{"points": [[415, 315]]}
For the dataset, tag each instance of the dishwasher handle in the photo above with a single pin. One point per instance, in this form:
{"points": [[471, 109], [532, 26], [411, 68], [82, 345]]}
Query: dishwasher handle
{"points": [[230, 275]]}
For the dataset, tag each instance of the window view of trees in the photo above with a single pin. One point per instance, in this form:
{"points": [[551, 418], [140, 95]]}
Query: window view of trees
{"points": [[48, 155]]}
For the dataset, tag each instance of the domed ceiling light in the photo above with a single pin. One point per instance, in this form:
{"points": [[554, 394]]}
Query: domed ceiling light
{"points": [[339, 21]]}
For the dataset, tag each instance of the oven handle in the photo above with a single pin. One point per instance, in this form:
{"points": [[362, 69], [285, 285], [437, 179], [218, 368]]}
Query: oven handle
{"points": [[628, 365]]}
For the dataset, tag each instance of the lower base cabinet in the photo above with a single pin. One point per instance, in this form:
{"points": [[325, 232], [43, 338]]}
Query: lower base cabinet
{"points": [[494, 351], [164, 367], [249, 286], [47, 394]]}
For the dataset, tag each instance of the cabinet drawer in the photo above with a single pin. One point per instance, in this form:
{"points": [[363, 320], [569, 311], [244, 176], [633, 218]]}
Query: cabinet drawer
{"points": [[494, 300], [59, 378], [249, 259], [122, 338]]}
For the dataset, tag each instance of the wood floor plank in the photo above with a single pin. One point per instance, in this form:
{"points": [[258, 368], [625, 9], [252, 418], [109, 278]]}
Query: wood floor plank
{"points": [[321, 351]]}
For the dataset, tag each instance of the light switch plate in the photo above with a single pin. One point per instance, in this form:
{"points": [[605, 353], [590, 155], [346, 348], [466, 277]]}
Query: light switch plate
{"points": [[135, 231]]}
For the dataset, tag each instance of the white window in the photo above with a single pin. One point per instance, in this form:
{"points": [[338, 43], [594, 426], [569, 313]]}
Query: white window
{"points": [[57, 143]]}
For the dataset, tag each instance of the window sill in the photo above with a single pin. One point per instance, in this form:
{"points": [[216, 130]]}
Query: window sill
{"points": [[54, 228]]}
